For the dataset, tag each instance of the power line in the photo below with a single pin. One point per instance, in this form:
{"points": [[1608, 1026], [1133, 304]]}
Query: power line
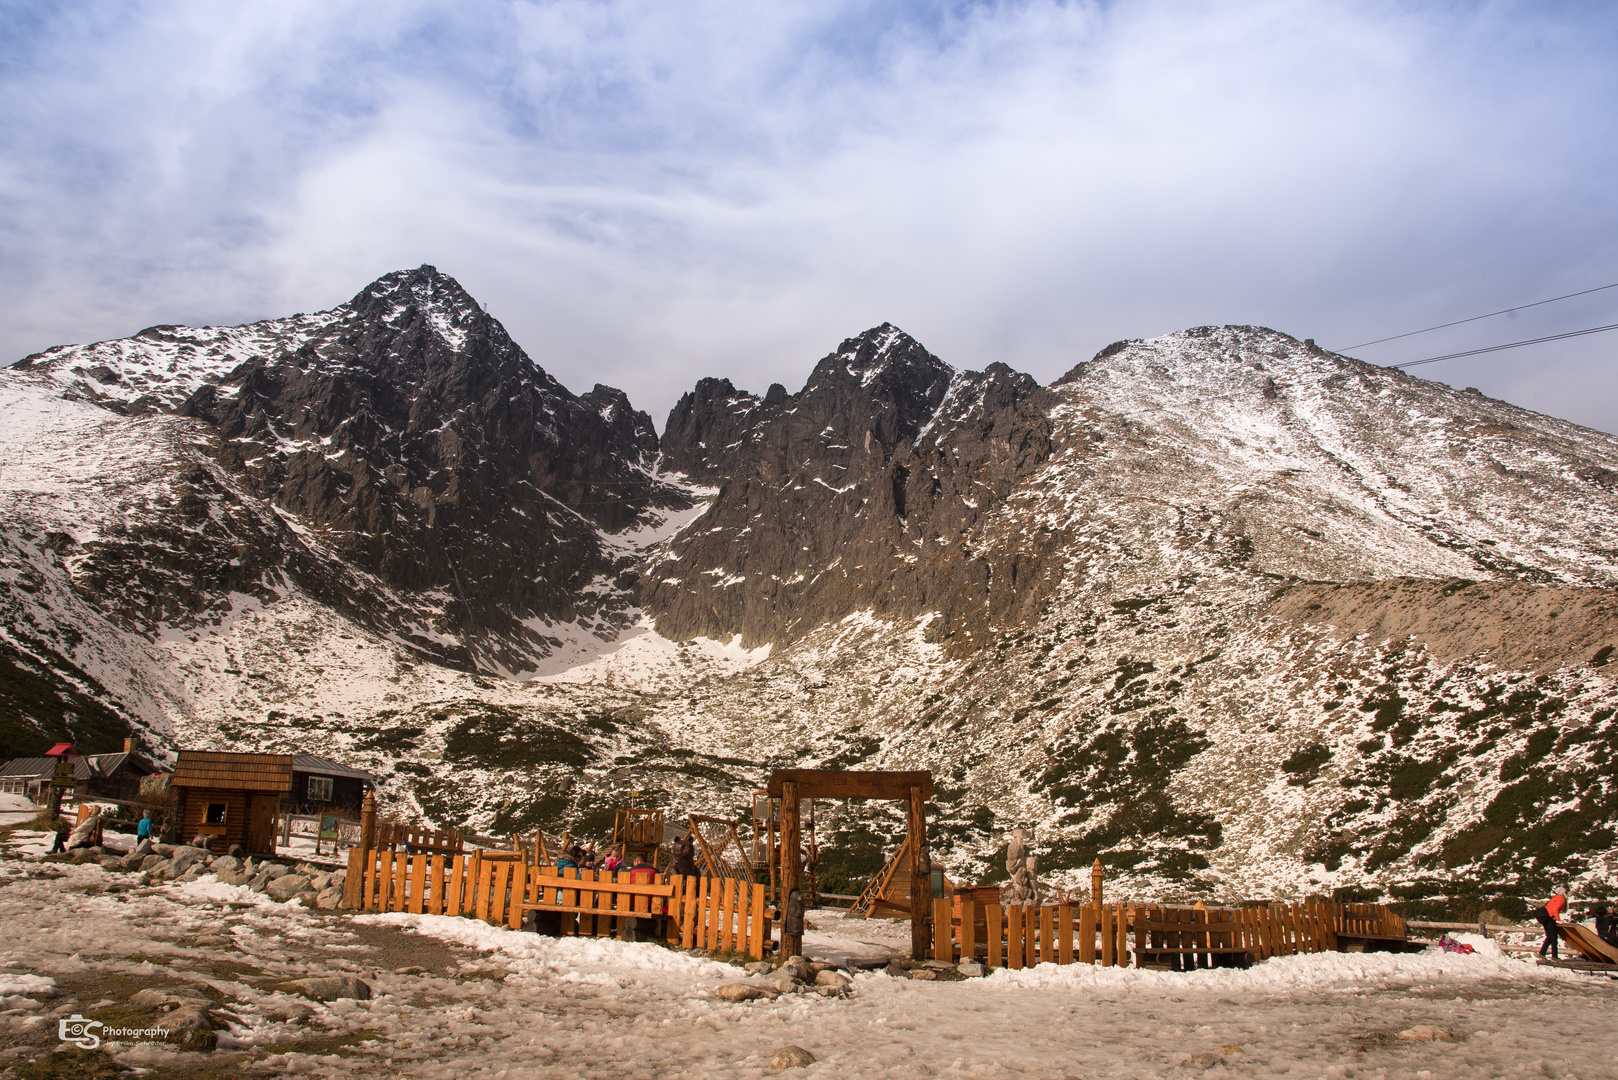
{"points": [[1509, 345], [1475, 318]]}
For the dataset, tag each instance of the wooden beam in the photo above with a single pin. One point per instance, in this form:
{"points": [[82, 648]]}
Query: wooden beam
{"points": [[791, 944], [921, 880], [820, 784]]}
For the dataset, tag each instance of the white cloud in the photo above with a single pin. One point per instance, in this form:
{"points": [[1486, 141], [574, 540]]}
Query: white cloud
{"points": [[649, 193]]}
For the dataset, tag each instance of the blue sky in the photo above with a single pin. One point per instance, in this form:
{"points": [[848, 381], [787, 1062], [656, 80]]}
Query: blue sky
{"points": [[646, 193]]}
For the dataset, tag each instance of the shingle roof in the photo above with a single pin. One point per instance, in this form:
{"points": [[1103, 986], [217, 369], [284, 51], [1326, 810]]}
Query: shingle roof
{"points": [[99, 765], [233, 772], [308, 763]]}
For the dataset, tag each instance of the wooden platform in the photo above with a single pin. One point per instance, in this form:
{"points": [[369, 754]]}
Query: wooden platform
{"points": [[1580, 965]]}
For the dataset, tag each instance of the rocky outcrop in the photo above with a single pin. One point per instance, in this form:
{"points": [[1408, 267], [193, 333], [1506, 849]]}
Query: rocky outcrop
{"points": [[429, 479], [860, 492]]}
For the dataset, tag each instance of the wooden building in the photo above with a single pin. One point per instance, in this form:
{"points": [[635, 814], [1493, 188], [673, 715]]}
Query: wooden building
{"points": [[232, 798], [95, 776], [320, 785]]}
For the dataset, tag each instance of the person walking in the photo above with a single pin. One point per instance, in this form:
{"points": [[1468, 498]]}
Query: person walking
{"points": [[1547, 917]]}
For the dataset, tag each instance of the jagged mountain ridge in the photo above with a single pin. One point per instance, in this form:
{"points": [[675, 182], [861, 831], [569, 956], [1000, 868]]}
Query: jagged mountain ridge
{"points": [[417, 442], [1160, 610]]}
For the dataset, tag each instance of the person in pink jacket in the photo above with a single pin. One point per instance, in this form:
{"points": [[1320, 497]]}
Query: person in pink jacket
{"points": [[1547, 917]]}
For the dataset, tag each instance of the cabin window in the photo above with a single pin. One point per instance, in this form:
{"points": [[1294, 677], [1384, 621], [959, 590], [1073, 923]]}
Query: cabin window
{"points": [[320, 789], [215, 814]]}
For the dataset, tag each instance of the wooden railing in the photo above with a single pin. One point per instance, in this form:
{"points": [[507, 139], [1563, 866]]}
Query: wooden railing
{"points": [[1016, 936], [392, 835], [500, 887]]}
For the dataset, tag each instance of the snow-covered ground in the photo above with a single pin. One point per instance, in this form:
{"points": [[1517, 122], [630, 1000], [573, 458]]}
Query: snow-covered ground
{"points": [[455, 998]]}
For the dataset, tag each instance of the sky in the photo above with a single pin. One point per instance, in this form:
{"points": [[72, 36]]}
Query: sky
{"points": [[646, 193]]}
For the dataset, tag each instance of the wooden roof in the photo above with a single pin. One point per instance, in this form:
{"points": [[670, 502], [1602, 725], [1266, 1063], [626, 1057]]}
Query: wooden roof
{"points": [[233, 772]]}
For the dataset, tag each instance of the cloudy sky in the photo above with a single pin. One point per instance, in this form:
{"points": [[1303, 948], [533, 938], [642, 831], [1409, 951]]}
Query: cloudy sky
{"points": [[649, 192]]}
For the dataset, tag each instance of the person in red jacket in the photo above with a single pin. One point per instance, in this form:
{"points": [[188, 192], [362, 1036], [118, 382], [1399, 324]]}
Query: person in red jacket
{"points": [[1547, 917]]}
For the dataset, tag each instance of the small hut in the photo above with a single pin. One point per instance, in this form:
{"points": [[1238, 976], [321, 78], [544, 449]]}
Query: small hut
{"points": [[235, 798]]}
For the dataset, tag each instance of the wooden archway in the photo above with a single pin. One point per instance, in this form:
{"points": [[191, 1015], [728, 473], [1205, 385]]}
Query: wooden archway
{"points": [[911, 788]]}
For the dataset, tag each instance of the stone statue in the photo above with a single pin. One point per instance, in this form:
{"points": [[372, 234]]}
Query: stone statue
{"points": [[1023, 888]]}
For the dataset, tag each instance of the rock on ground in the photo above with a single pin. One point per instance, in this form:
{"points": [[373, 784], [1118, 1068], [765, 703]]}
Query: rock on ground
{"points": [[791, 1057]]}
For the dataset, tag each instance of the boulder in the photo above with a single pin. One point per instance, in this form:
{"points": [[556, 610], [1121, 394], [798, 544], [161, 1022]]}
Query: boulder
{"points": [[338, 878], [791, 1057], [232, 877], [831, 978], [798, 966], [1426, 1033], [740, 991], [971, 969], [759, 967], [286, 886], [111, 862], [165, 850], [897, 970], [329, 899], [285, 1010], [224, 863], [151, 863], [169, 997], [184, 859], [192, 1025], [275, 870], [133, 860], [319, 882], [782, 981], [332, 987], [925, 974]]}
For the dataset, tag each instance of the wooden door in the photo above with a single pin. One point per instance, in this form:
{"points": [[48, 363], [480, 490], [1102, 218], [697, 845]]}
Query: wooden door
{"points": [[261, 820]]}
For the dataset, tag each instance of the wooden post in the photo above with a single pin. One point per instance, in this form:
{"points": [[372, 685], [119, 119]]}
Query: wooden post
{"points": [[368, 822], [920, 877], [1096, 874], [791, 944]]}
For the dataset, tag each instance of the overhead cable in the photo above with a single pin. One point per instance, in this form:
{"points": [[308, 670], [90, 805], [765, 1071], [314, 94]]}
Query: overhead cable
{"points": [[1509, 345], [1475, 318]]}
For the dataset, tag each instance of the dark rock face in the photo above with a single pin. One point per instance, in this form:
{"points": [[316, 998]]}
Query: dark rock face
{"points": [[425, 448], [859, 492]]}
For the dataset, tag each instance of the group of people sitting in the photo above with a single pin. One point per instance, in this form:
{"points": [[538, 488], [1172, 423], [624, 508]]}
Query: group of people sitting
{"points": [[577, 857]]}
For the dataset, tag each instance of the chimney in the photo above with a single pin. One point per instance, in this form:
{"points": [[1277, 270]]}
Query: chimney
{"points": [[129, 746]]}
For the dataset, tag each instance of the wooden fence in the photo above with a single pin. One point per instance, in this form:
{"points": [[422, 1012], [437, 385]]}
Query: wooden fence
{"points": [[500, 887], [1148, 935]]}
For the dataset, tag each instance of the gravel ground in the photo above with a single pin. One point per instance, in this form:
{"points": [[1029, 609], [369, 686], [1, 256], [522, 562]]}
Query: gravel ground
{"points": [[457, 998]]}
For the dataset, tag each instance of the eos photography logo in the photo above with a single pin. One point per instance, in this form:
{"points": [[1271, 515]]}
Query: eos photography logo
{"points": [[87, 1034]]}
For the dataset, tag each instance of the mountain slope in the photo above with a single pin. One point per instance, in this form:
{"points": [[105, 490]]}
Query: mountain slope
{"points": [[1229, 612], [407, 435]]}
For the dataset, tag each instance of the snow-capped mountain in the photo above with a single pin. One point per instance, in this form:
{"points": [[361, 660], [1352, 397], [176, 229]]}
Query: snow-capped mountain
{"points": [[1221, 608]]}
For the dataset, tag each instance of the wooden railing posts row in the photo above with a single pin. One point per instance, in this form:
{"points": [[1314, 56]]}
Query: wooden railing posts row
{"points": [[504, 887], [1146, 935]]}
